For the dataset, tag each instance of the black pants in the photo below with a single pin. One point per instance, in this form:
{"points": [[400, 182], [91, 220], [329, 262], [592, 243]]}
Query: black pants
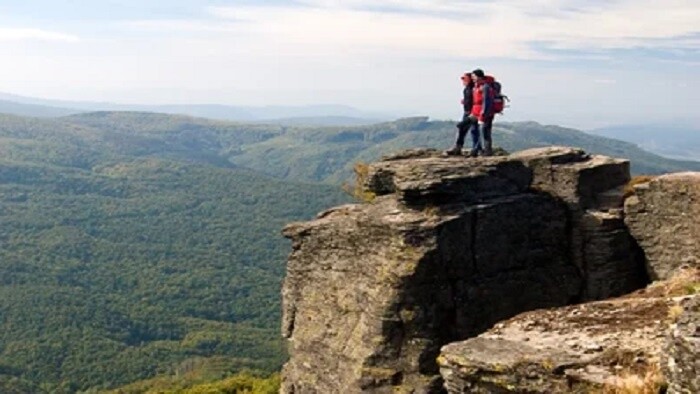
{"points": [[463, 128]]}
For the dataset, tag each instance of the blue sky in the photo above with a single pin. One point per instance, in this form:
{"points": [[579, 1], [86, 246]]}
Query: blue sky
{"points": [[571, 62]]}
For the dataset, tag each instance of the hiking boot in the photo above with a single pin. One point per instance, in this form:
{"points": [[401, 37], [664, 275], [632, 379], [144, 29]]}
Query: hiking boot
{"points": [[488, 151], [455, 151], [474, 152]]}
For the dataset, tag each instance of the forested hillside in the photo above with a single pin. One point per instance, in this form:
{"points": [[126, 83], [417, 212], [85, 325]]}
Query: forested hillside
{"points": [[327, 154], [136, 244], [116, 265]]}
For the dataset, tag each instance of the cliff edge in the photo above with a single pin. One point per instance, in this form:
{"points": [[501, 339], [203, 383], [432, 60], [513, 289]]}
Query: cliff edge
{"points": [[447, 248]]}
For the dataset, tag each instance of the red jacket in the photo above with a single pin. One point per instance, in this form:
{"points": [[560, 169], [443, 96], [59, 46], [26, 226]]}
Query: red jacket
{"points": [[483, 100]]}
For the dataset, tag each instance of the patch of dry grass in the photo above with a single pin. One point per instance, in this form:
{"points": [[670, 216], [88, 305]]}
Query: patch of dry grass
{"points": [[685, 282], [629, 187], [648, 381], [674, 312]]}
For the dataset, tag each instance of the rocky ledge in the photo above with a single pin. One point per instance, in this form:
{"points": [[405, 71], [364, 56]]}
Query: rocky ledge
{"points": [[447, 248]]}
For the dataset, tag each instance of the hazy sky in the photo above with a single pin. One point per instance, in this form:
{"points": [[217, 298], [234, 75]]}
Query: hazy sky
{"points": [[581, 63]]}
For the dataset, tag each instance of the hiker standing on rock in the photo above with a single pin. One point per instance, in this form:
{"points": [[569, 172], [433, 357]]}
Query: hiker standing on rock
{"points": [[467, 122], [482, 113]]}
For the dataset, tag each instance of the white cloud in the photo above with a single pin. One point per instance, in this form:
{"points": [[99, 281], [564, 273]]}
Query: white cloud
{"points": [[399, 56], [20, 34], [512, 29], [353, 31], [509, 28], [179, 25]]}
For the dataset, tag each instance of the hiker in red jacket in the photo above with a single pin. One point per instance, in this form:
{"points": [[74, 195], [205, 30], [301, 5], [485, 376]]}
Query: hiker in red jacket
{"points": [[482, 114], [465, 125]]}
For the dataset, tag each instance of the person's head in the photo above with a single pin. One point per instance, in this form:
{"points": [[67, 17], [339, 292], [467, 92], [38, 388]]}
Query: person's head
{"points": [[466, 79], [478, 75]]}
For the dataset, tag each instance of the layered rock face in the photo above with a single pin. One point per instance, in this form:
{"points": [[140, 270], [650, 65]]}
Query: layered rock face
{"points": [[621, 345], [449, 247], [664, 216]]}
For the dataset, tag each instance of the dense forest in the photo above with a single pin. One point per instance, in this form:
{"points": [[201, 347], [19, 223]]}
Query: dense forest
{"points": [[117, 264], [138, 245]]}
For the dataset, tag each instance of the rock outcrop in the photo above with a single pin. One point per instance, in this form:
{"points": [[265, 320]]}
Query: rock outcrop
{"points": [[681, 357], [664, 216], [619, 343], [448, 247]]}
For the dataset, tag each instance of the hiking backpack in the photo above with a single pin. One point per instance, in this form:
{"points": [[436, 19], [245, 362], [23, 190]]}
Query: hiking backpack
{"points": [[499, 99]]}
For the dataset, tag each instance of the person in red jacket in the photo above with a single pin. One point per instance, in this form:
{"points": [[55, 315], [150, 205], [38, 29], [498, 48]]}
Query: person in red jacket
{"points": [[465, 125], [481, 114]]}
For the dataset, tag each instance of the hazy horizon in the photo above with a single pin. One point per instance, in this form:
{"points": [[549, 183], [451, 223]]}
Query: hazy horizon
{"points": [[576, 63]]}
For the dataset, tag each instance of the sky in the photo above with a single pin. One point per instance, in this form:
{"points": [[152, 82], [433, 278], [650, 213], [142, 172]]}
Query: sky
{"points": [[576, 63]]}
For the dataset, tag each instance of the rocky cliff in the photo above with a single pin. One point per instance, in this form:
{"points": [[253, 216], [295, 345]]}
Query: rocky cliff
{"points": [[447, 248]]}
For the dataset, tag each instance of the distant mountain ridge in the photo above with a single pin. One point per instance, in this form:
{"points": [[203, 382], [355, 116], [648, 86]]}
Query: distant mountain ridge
{"points": [[676, 140], [328, 153], [292, 114], [318, 149], [37, 110]]}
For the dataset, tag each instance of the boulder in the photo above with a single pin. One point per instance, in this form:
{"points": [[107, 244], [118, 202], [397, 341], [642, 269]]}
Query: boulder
{"points": [[612, 345], [663, 215]]}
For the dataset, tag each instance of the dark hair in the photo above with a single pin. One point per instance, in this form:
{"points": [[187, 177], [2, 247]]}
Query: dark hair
{"points": [[479, 73]]}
